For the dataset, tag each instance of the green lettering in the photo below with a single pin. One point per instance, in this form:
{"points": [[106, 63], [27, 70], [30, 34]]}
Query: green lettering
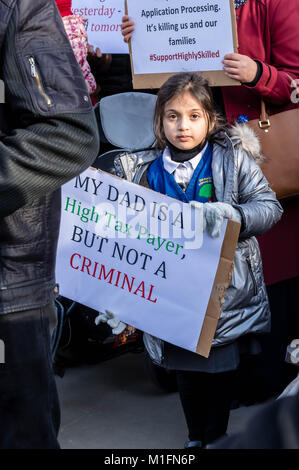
{"points": [[110, 215], [177, 248], [142, 231], [151, 239], [169, 244], [160, 243]]}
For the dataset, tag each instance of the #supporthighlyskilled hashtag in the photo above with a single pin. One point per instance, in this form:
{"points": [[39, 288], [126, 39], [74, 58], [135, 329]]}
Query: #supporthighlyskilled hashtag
{"points": [[184, 56]]}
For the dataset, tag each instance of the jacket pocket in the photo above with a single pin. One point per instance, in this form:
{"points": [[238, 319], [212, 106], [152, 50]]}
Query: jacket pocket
{"points": [[53, 81], [36, 80], [35, 74], [243, 285]]}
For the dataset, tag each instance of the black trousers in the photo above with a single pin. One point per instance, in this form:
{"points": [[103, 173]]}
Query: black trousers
{"points": [[29, 407], [206, 400]]}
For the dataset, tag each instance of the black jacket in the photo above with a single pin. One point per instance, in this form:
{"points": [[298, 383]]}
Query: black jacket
{"points": [[48, 134]]}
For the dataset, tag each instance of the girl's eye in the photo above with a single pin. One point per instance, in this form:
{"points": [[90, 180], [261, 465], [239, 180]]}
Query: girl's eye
{"points": [[172, 116], [195, 116]]}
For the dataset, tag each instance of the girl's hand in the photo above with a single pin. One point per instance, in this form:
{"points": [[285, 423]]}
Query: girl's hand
{"points": [[127, 28], [213, 215], [239, 67], [114, 323], [130, 328]]}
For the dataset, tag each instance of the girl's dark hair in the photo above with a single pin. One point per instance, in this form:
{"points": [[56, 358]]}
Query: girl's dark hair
{"points": [[199, 87]]}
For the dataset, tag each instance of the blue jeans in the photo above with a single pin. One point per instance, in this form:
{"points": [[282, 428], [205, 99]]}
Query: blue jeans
{"points": [[29, 406]]}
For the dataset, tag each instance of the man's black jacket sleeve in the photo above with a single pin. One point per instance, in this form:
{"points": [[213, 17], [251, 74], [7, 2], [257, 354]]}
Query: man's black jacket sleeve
{"points": [[51, 131]]}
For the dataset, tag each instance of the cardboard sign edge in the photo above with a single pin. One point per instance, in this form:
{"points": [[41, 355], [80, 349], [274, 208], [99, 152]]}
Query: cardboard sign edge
{"points": [[221, 282]]}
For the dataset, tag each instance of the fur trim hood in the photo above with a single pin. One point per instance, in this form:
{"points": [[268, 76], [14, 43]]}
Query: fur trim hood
{"points": [[243, 135]]}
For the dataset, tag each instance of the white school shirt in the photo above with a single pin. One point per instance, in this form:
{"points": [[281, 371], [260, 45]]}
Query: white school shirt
{"points": [[182, 171]]}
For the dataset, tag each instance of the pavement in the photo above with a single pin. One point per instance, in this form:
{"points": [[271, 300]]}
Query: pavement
{"points": [[115, 405]]}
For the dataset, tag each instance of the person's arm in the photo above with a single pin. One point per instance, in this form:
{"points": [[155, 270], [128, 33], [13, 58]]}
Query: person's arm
{"points": [[274, 83], [53, 134], [257, 203]]}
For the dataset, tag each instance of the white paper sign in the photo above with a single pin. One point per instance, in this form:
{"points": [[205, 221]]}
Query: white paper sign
{"points": [[133, 251], [103, 26], [180, 35]]}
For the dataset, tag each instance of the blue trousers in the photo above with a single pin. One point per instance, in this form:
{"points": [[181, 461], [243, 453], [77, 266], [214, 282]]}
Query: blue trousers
{"points": [[29, 406]]}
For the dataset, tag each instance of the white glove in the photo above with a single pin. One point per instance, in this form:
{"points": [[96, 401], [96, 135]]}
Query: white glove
{"points": [[213, 214], [109, 318]]}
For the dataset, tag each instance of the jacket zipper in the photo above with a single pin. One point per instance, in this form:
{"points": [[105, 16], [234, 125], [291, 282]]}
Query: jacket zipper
{"points": [[34, 74], [252, 276], [139, 172]]}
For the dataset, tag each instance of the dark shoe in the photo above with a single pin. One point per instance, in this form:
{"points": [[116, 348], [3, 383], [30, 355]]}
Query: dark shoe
{"points": [[193, 444]]}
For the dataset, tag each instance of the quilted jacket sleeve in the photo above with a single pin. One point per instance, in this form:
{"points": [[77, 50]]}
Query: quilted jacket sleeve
{"points": [[257, 202]]}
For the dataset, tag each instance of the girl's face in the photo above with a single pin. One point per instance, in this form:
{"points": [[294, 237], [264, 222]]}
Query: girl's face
{"points": [[185, 123]]}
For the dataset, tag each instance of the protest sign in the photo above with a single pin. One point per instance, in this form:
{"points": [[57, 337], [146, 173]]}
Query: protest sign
{"points": [[173, 36], [143, 256], [103, 25]]}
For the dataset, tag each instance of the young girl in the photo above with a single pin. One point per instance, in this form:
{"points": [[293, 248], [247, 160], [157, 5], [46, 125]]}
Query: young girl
{"points": [[196, 151]]}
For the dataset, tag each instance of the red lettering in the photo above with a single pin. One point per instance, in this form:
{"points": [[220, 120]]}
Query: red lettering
{"points": [[118, 276], [126, 279], [111, 272], [71, 260], [140, 288], [85, 265], [150, 293], [95, 268]]}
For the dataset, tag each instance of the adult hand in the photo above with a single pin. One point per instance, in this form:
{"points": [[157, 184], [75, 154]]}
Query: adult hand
{"points": [[127, 27], [239, 67]]}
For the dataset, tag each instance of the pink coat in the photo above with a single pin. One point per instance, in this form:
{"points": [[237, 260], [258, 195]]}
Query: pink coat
{"points": [[75, 29]]}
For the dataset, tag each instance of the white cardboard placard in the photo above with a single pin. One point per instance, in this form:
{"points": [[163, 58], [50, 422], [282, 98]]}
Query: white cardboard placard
{"points": [[147, 272], [103, 26]]}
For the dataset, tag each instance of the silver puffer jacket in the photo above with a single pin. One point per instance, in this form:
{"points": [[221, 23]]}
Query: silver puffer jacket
{"points": [[239, 181]]}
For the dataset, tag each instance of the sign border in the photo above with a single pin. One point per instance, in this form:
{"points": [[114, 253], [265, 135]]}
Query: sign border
{"points": [[221, 283]]}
